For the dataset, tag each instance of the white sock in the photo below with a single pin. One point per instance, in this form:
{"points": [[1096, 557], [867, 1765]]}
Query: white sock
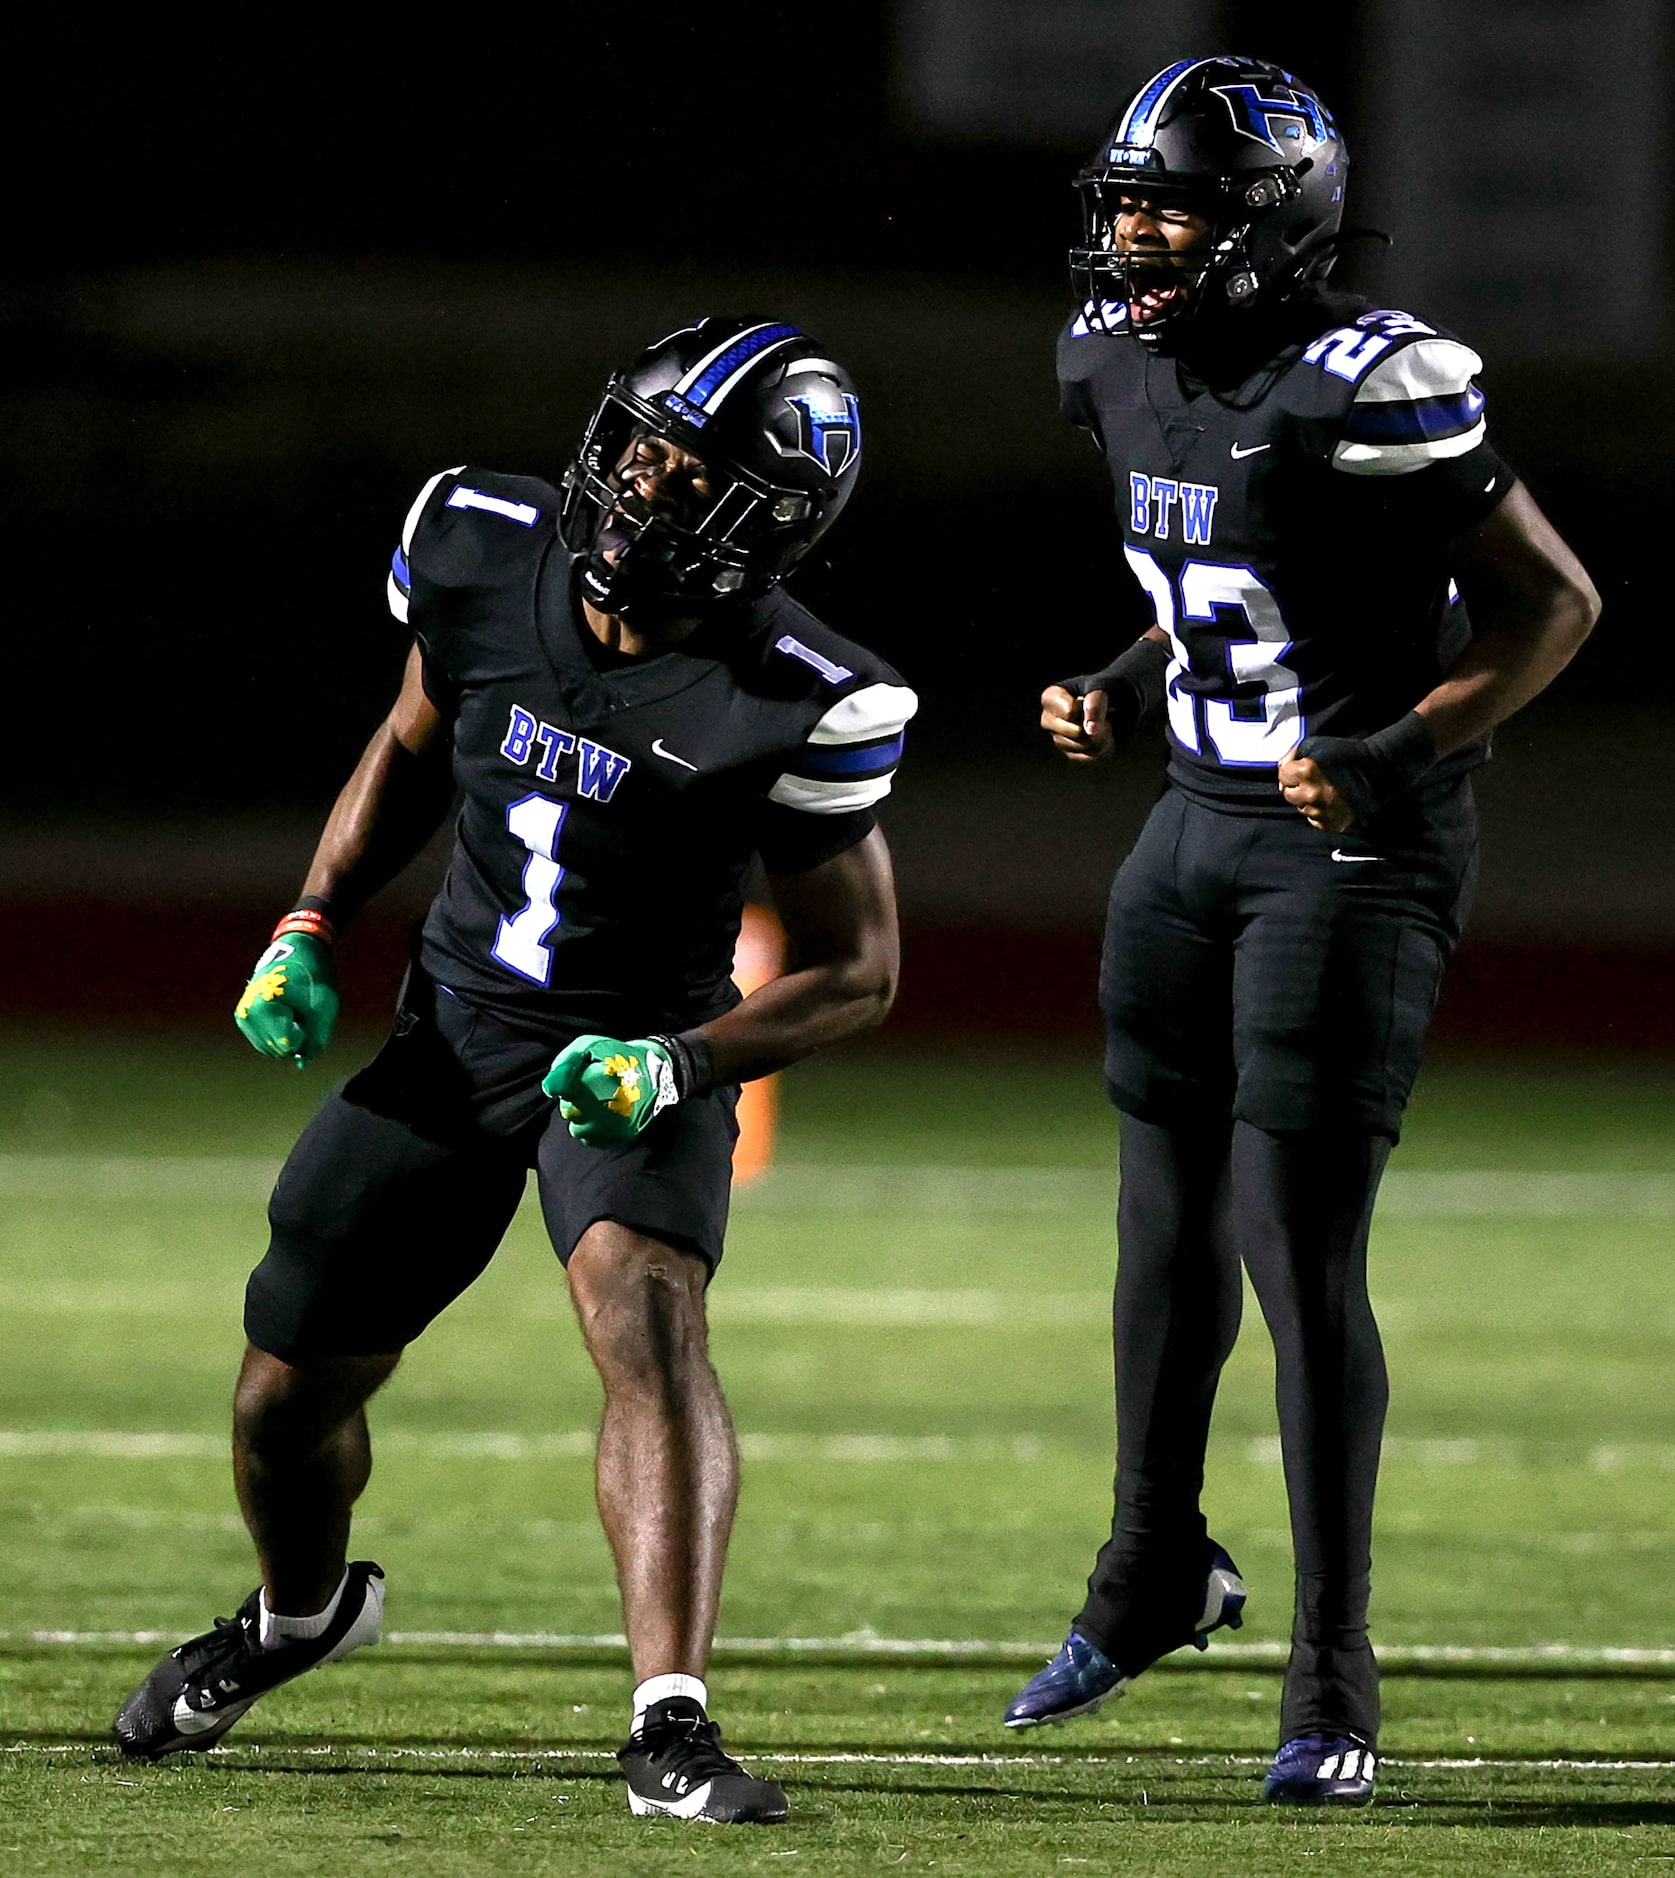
{"points": [[665, 1689], [277, 1630]]}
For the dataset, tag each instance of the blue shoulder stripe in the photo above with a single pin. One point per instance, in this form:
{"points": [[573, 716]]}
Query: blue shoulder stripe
{"points": [[847, 759], [1416, 420], [398, 567]]}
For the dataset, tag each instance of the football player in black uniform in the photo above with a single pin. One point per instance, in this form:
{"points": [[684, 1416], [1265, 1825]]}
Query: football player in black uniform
{"points": [[631, 710], [1310, 501]]}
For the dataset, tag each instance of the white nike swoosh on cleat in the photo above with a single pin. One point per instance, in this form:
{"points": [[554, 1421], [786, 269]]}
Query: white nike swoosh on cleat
{"points": [[689, 1808], [669, 756], [1339, 855], [192, 1721], [1254, 449]]}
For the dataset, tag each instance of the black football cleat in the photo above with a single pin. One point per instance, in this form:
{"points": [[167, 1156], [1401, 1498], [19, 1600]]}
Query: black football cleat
{"points": [[1082, 1676], [675, 1765], [201, 1688], [1321, 1770]]}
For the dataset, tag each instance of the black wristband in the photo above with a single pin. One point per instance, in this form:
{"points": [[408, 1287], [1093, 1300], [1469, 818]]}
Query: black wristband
{"points": [[1133, 684], [1370, 771], [692, 1060]]}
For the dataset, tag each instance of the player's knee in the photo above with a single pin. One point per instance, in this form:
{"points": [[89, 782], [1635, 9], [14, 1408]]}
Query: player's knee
{"points": [[641, 1305], [282, 1410]]}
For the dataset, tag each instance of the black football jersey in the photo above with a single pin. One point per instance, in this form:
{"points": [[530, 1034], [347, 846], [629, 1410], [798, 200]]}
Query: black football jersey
{"points": [[1290, 528], [611, 806]]}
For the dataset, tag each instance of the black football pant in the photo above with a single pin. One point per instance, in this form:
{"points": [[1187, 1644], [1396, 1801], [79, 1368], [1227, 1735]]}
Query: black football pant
{"points": [[1266, 1003], [1295, 1208]]}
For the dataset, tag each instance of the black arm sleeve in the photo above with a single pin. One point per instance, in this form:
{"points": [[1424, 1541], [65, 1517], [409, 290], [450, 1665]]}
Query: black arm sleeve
{"points": [[1442, 501], [791, 841]]}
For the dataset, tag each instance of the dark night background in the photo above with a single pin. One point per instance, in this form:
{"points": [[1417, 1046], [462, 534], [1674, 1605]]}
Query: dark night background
{"points": [[263, 278]]}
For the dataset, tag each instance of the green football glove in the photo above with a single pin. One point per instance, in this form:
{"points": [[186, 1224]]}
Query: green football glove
{"points": [[608, 1091], [290, 1004]]}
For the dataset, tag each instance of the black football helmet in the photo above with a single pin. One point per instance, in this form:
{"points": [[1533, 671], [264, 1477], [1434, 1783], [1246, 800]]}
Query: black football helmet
{"points": [[1239, 141], [777, 425]]}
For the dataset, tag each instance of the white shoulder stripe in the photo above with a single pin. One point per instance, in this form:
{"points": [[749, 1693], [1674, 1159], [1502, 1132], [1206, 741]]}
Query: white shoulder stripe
{"points": [[397, 599], [832, 796], [1396, 459], [413, 513], [873, 711], [1429, 368]]}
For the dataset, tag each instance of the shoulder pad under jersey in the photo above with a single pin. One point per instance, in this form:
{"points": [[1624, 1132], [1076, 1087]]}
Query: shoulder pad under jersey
{"points": [[460, 516], [852, 710], [1413, 397]]}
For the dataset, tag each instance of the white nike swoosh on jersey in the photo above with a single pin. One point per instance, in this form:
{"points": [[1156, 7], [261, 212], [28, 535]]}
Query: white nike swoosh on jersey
{"points": [[669, 756], [1339, 855], [1255, 449]]}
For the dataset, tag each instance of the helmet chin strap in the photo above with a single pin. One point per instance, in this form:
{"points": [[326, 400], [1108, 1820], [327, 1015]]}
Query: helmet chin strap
{"points": [[615, 590]]}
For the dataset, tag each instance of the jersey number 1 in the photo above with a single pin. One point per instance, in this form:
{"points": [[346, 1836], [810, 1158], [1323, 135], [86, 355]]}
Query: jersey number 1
{"points": [[520, 944], [1205, 588]]}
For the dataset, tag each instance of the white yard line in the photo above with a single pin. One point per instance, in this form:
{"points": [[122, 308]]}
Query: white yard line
{"points": [[851, 1758], [847, 1187], [777, 1305], [864, 1646], [857, 1448]]}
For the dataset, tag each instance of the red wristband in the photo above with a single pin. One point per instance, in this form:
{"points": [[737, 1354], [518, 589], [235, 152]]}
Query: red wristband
{"points": [[307, 919]]}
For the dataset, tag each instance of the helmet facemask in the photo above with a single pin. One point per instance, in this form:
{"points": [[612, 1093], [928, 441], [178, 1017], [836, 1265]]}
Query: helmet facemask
{"points": [[719, 534], [1157, 294]]}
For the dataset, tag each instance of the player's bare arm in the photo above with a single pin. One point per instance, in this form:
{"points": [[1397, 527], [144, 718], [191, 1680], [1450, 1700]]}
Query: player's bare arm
{"points": [[393, 802], [385, 813], [840, 927], [1532, 605]]}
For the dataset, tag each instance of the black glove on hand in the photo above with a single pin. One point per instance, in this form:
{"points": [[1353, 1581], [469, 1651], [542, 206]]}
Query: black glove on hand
{"points": [[1370, 771], [1133, 684]]}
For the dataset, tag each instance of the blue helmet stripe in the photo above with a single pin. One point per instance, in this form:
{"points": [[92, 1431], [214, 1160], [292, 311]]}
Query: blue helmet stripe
{"points": [[1137, 124], [736, 355]]}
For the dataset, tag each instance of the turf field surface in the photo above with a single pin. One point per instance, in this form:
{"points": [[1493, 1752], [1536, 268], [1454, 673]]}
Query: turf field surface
{"points": [[911, 1325]]}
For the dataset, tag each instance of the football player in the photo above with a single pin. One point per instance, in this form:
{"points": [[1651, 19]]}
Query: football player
{"points": [[1310, 500], [631, 709]]}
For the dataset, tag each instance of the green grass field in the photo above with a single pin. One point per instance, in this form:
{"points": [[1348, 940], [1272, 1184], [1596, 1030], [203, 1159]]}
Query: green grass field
{"points": [[912, 1326]]}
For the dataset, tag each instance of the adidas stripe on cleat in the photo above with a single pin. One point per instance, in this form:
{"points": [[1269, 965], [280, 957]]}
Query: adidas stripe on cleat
{"points": [[1322, 1770], [675, 1765], [1082, 1676], [201, 1688]]}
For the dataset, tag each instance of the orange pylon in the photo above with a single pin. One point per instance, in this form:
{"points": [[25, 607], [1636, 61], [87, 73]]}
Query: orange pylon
{"points": [[760, 956]]}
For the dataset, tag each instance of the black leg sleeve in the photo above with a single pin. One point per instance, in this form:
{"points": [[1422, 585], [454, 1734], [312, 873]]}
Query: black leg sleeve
{"points": [[1175, 1319], [1304, 1203]]}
